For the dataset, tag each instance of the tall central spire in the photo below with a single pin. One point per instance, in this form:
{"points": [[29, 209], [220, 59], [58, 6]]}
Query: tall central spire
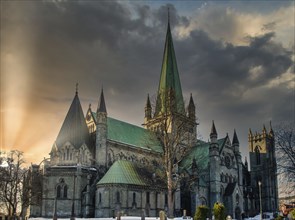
{"points": [[169, 86]]}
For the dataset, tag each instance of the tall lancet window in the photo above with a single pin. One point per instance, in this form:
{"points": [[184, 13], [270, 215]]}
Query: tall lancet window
{"points": [[61, 189]]}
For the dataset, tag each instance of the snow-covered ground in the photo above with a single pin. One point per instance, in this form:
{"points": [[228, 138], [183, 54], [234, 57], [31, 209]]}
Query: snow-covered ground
{"points": [[122, 218]]}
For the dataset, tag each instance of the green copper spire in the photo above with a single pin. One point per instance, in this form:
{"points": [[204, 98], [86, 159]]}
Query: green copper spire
{"points": [[169, 90]]}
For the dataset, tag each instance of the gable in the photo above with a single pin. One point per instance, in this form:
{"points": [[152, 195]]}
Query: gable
{"points": [[122, 172], [200, 152], [129, 173]]}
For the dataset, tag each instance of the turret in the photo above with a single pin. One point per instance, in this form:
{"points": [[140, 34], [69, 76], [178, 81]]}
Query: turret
{"points": [[236, 143], [213, 134], [148, 110], [264, 131], [271, 132], [214, 160], [250, 138], [101, 132], [236, 148], [191, 109]]}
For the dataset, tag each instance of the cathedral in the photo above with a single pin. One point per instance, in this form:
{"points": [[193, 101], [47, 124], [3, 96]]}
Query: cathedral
{"points": [[100, 166]]}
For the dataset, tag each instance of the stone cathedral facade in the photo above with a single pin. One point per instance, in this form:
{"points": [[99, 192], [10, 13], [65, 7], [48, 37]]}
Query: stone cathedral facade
{"points": [[100, 165]]}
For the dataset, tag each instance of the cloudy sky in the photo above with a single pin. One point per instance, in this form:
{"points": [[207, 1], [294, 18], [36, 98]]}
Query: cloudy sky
{"points": [[235, 57]]}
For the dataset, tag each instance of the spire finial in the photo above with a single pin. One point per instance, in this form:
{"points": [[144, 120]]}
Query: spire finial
{"points": [[168, 14], [77, 85]]}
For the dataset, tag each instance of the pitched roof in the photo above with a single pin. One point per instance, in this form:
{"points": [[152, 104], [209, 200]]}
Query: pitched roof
{"points": [[200, 153], [169, 79], [122, 172], [132, 135], [74, 128]]}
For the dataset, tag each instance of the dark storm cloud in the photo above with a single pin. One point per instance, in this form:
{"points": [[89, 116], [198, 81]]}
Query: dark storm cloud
{"points": [[104, 43], [212, 64]]}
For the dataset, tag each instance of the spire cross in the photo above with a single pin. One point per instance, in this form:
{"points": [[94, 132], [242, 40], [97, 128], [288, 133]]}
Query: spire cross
{"points": [[77, 84]]}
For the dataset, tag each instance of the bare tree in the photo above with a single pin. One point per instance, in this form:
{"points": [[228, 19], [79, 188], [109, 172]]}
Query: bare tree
{"points": [[285, 154], [175, 131], [12, 175]]}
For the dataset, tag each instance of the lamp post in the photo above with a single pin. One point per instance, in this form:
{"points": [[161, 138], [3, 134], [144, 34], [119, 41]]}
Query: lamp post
{"points": [[259, 186]]}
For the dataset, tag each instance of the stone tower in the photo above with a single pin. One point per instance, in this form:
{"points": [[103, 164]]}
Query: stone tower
{"points": [[169, 99], [70, 162], [101, 132], [214, 160], [263, 170]]}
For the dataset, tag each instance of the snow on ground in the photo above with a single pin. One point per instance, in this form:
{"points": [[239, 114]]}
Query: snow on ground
{"points": [[122, 218]]}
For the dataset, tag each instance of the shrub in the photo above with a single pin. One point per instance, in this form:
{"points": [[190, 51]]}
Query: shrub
{"points": [[279, 217], [219, 211], [292, 214], [201, 213]]}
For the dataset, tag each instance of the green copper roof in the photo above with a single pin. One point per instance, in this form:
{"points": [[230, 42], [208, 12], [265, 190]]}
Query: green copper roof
{"points": [[74, 128], [169, 80], [122, 172], [132, 135], [201, 153]]}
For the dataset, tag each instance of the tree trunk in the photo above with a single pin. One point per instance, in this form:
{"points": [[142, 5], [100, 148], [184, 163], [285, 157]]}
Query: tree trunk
{"points": [[170, 204], [170, 191]]}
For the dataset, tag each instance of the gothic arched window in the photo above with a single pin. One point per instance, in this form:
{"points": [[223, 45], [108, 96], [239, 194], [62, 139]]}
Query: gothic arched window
{"points": [[68, 153], [61, 189], [58, 191], [134, 200], [65, 192], [99, 197]]}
